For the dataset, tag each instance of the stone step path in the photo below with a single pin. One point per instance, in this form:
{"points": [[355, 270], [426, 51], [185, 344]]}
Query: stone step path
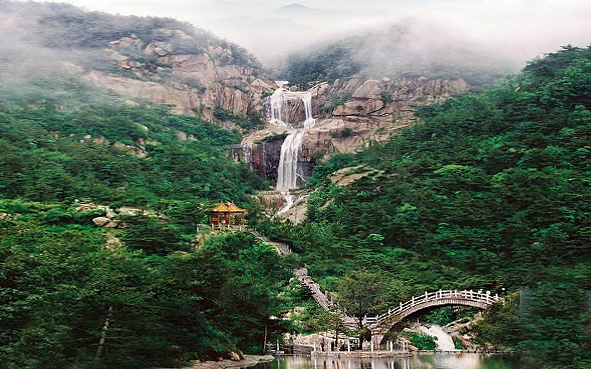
{"points": [[301, 274], [382, 323]]}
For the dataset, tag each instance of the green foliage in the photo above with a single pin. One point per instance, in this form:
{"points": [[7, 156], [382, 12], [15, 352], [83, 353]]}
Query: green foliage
{"points": [[423, 341], [275, 136], [489, 191], [346, 132], [61, 291], [53, 154], [325, 64], [445, 315], [336, 162], [251, 123], [151, 235], [360, 294], [500, 325], [556, 314], [242, 280]]}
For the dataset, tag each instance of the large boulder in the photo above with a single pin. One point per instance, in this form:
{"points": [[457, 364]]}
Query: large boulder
{"points": [[371, 89], [101, 221]]}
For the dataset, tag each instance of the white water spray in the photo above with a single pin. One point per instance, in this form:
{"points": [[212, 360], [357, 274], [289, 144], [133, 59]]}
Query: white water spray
{"points": [[277, 102], [444, 341]]}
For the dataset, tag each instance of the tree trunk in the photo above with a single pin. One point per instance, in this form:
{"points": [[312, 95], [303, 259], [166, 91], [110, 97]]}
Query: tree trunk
{"points": [[265, 338], [101, 344], [360, 333]]}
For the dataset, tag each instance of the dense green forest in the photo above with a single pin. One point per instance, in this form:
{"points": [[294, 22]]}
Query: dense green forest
{"points": [[117, 154], [62, 291], [490, 191], [62, 278], [142, 294]]}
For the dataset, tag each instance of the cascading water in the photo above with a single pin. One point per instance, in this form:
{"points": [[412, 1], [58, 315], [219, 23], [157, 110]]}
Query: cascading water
{"points": [[287, 176], [277, 102], [246, 153], [444, 341]]}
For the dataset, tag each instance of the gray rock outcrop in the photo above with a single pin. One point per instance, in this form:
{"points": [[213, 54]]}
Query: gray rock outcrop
{"points": [[193, 84]]}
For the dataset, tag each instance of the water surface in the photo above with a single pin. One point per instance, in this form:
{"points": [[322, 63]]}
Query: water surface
{"points": [[418, 361]]}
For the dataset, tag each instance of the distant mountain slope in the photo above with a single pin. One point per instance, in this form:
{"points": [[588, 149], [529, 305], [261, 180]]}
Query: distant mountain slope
{"points": [[158, 59], [296, 9], [401, 50]]}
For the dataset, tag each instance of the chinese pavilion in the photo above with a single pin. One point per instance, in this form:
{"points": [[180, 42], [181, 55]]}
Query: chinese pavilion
{"points": [[227, 215]]}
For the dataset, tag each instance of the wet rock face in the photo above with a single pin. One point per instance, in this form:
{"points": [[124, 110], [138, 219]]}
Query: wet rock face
{"points": [[194, 84], [265, 159], [262, 157]]}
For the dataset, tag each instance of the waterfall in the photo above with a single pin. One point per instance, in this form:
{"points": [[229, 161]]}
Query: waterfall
{"points": [[277, 101], [246, 153], [287, 175], [444, 341]]}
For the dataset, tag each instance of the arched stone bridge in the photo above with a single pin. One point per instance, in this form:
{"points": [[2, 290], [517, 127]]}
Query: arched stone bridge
{"points": [[380, 325]]}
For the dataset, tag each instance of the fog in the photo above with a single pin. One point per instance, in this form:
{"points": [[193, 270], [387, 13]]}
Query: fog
{"points": [[517, 30], [33, 72]]}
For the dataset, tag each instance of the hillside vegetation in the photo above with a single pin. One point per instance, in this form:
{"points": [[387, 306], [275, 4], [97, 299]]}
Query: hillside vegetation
{"points": [[490, 191], [142, 294], [62, 278]]}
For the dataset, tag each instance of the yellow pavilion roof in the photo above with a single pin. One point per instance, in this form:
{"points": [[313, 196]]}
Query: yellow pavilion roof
{"points": [[235, 209], [220, 208], [231, 208]]}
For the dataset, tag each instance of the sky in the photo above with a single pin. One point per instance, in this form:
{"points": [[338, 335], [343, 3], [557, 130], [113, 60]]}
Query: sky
{"points": [[520, 29]]}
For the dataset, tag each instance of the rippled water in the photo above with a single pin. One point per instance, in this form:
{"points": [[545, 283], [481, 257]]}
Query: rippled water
{"points": [[418, 361]]}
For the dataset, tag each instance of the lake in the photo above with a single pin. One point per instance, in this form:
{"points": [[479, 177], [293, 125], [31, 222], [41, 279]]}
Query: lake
{"points": [[417, 361]]}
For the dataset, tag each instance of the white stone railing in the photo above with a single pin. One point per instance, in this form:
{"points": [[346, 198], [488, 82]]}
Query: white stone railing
{"points": [[483, 297]]}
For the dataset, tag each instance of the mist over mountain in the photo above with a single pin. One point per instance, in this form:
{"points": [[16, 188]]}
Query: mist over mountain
{"points": [[519, 30], [403, 49], [46, 47], [296, 9]]}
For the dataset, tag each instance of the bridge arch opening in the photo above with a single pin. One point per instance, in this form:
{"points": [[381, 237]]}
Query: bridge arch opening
{"points": [[420, 305], [450, 313]]}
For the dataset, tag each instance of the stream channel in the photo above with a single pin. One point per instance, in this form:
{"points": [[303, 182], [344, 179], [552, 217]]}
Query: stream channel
{"points": [[417, 361]]}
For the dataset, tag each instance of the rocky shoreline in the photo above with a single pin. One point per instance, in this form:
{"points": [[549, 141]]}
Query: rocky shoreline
{"points": [[249, 360]]}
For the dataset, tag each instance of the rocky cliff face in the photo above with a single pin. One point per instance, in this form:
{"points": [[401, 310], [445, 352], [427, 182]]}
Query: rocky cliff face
{"points": [[194, 84], [352, 113], [349, 115]]}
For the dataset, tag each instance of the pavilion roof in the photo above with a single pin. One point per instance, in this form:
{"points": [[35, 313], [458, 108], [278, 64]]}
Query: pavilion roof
{"points": [[220, 208], [235, 209]]}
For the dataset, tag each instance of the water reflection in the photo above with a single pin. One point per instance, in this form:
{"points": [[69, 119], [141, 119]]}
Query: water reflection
{"points": [[418, 361]]}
